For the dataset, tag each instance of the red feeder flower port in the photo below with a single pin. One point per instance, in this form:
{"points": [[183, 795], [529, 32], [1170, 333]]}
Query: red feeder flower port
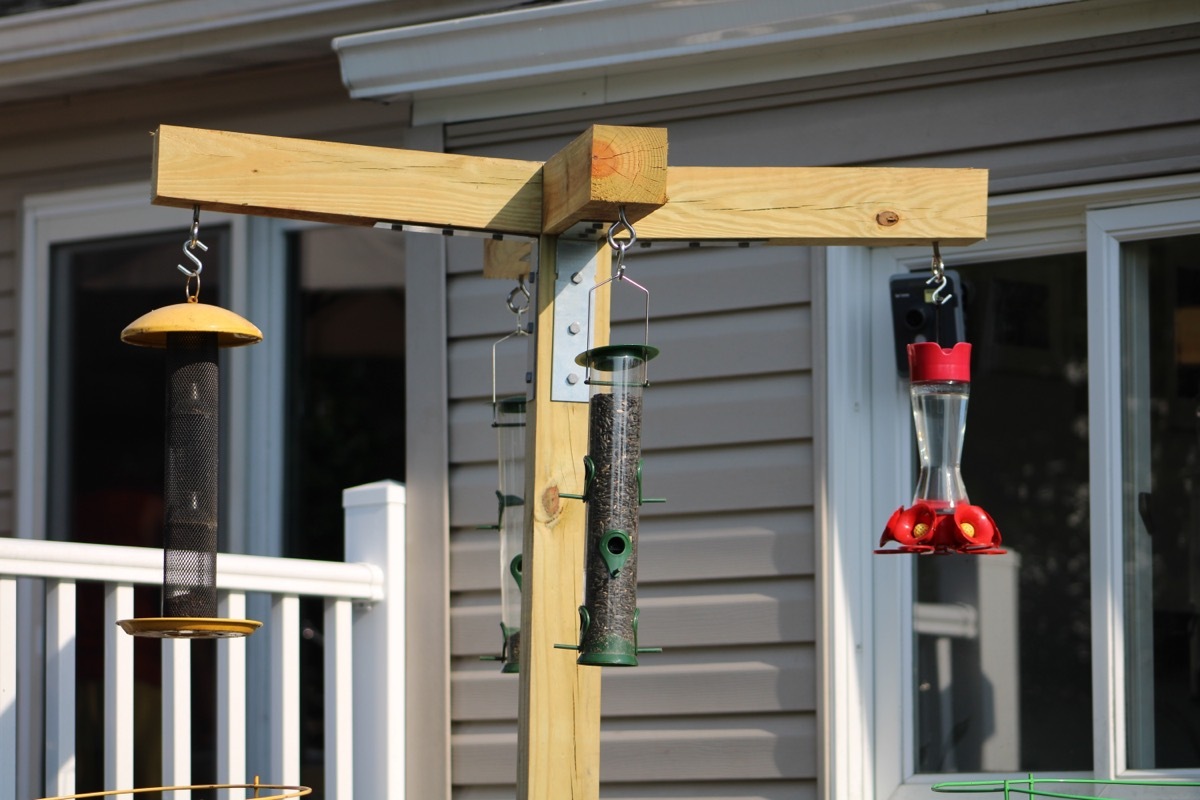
{"points": [[941, 519]]}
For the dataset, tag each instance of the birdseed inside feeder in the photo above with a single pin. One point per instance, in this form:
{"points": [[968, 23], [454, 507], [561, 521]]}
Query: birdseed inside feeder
{"points": [[609, 615]]}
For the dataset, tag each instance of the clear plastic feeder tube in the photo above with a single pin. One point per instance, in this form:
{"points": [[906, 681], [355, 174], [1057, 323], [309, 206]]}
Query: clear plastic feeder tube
{"points": [[617, 376], [510, 440], [939, 395]]}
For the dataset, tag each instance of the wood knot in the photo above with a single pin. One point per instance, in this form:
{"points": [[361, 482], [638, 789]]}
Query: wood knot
{"points": [[887, 218], [551, 503]]}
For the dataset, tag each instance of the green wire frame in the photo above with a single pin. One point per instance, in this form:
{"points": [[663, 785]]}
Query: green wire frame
{"points": [[1028, 787]]}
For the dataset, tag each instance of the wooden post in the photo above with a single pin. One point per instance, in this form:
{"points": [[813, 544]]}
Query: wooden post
{"points": [[559, 711]]}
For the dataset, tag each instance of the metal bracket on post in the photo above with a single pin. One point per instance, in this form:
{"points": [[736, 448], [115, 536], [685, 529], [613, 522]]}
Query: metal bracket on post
{"points": [[575, 279]]}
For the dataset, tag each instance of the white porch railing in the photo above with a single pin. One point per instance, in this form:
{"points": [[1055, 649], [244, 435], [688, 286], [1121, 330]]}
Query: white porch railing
{"points": [[363, 661]]}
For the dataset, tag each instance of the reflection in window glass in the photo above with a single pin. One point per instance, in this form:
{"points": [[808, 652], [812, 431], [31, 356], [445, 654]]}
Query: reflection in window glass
{"points": [[1161, 445], [1003, 642]]}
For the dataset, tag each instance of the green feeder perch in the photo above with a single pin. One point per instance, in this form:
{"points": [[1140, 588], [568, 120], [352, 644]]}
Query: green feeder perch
{"points": [[508, 418], [613, 493]]}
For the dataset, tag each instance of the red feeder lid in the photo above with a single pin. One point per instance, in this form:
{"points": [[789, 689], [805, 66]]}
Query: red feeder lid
{"points": [[929, 362]]}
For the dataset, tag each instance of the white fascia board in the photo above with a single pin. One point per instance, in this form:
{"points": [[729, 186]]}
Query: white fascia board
{"points": [[589, 52]]}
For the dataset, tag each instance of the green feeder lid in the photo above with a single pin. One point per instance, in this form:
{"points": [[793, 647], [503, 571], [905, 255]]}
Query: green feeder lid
{"points": [[604, 358]]}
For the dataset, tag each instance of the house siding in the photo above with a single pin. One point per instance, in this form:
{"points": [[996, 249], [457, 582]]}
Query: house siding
{"points": [[727, 567]]}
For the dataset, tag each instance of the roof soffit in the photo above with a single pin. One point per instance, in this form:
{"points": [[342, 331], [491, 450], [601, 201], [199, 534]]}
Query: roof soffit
{"points": [[103, 45], [592, 52]]}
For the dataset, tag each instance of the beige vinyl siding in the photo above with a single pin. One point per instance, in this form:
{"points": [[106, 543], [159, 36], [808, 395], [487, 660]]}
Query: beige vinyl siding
{"points": [[103, 138], [725, 576]]}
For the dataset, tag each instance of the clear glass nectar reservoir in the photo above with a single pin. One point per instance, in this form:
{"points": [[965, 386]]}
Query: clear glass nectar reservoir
{"points": [[940, 417], [510, 442]]}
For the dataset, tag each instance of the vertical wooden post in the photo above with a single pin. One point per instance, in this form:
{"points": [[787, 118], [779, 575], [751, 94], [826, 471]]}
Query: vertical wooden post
{"points": [[559, 714]]}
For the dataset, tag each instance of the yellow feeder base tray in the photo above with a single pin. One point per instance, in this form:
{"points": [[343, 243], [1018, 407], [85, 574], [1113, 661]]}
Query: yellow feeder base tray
{"points": [[189, 627]]}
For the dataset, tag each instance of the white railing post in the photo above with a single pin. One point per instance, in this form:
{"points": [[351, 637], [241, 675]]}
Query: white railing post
{"points": [[284, 727], [8, 688], [177, 715], [375, 535], [60, 688], [231, 696], [118, 688]]}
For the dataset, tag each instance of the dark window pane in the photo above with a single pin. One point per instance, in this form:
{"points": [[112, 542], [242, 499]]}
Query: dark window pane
{"points": [[1161, 439], [1010, 689]]}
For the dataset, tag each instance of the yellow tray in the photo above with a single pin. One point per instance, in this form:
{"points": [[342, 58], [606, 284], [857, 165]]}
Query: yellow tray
{"points": [[189, 627]]}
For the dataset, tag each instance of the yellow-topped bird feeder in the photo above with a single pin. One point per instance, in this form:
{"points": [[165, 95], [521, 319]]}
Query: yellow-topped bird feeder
{"points": [[190, 333]]}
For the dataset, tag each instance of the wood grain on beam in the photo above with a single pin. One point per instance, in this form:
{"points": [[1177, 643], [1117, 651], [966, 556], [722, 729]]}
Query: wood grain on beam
{"points": [[343, 183], [821, 205]]}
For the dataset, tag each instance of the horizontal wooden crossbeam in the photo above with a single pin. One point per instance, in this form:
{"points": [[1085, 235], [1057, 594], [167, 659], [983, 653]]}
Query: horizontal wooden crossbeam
{"points": [[360, 185]]}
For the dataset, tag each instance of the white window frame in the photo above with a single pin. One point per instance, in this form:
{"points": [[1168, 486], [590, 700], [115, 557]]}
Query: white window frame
{"points": [[109, 211], [865, 636]]}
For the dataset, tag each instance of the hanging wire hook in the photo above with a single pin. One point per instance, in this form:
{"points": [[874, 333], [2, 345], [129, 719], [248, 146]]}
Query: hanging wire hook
{"points": [[939, 278], [519, 310], [619, 246]]}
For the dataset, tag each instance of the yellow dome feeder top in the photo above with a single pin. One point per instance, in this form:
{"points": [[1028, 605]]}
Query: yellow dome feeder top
{"points": [[151, 329]]}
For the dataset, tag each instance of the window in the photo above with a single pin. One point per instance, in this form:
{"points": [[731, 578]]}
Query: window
{"points": [[1075, 655], [317, 407]]}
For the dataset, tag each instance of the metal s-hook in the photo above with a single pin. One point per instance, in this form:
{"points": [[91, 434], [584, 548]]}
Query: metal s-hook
{"points": [[193, 275], [939, 278]]}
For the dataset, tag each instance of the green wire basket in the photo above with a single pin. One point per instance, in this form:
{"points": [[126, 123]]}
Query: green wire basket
{"points": [[1055, 787]]}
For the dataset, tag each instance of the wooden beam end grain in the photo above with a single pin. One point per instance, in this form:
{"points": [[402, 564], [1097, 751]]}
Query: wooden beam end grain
{"points": [[606, 167]]}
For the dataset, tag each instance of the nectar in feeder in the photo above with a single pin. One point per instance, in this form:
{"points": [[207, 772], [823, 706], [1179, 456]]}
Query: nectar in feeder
{"points": [[941, 518]]}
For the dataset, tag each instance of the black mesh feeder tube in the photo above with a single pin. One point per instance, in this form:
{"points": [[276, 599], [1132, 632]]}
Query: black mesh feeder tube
{"points": [[190, 334], [613, 493]]}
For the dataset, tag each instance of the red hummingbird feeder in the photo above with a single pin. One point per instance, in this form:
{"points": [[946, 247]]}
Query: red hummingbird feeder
{"points": [[941, 519]]}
